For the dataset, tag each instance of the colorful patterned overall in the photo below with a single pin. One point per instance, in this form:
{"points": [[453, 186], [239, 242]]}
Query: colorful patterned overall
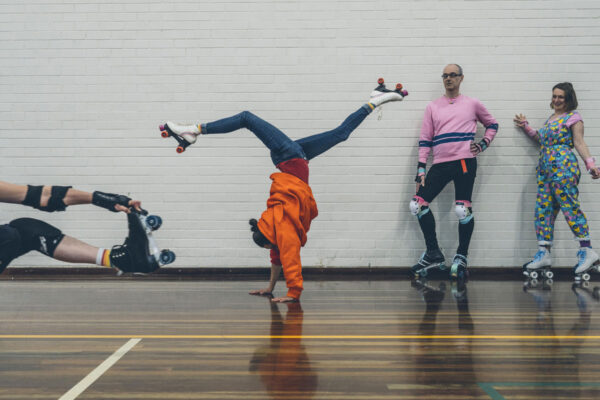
{"points": [[557, 178]]}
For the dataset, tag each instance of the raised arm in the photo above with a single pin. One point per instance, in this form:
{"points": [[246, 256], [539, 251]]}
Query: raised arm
{"points": [[58, 198], [521, 122]]}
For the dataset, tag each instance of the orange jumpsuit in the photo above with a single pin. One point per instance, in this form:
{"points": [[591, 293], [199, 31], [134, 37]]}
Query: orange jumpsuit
{"points": [[290, 209]]}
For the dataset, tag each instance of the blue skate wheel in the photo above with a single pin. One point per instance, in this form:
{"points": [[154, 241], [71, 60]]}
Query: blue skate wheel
{"points": [[154, 222], [167, 257], [422, 273]]}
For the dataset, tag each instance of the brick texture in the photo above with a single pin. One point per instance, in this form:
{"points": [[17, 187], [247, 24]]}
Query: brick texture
{"points": [[85, 83]]}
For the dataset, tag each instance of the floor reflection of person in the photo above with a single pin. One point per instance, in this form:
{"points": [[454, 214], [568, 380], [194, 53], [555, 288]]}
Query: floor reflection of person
{"points": [[432, 358], [541, 291], [558, 360], [283, 364]]}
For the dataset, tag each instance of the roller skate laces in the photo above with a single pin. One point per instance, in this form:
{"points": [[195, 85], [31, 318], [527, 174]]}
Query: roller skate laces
{"points": [[539, 266], [185, 135], [587, 260], [381, 95], [427, 261], [458, 270], [139, 253]]}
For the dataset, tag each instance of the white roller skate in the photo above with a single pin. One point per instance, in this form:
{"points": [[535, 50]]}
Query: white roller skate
{"points": [[184, 134], [458, 270], [539, 266], [381, 95], [428, 260], [587, 260]]}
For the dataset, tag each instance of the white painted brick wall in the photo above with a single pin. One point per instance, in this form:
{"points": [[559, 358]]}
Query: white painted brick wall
{"points": [[85, 83]]}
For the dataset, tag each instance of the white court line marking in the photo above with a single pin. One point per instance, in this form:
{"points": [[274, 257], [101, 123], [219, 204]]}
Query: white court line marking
{"points": [[100, 369]]}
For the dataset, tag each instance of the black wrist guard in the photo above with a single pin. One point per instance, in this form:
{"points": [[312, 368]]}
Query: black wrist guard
{"points": [[109, 200], [420, 171], [55, 202], [483, 144]]}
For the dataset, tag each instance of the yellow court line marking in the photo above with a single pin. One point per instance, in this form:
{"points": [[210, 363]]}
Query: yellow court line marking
{"points": [[337, 337]]}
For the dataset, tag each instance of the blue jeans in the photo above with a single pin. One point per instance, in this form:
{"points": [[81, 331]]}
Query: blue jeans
{"points": [[282, 147]]}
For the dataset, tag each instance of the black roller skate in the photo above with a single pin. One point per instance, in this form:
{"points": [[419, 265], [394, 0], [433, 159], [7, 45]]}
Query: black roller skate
{"points": [[587, 261], [458, 270], [429, 260], [184, 134], [139, 253], [539, 267]]}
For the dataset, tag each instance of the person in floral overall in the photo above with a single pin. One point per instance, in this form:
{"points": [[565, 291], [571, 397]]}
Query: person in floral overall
{"points": [[558, 176]]}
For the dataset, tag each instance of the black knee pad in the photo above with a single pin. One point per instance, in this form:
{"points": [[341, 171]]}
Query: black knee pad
{"points": [[37, 235], [55, 203], [10, 245]]}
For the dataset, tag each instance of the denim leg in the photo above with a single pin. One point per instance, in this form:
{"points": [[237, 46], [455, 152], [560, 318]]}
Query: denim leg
{"points": [[282, 147], [318, 144]]}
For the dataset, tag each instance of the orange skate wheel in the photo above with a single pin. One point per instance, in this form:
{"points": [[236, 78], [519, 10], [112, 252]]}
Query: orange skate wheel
{"points": [[398, 86], [380, 81], [164, 134], [180, 149]]}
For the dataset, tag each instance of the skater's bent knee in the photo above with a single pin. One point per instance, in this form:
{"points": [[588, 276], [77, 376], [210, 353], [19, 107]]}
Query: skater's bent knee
{"points": [[418, 206], [10, 245], [246, 115], [464, 211], [37, 235]]}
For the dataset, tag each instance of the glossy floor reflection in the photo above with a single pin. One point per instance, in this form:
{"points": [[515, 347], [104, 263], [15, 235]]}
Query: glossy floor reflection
{"points": [[345, 340]]}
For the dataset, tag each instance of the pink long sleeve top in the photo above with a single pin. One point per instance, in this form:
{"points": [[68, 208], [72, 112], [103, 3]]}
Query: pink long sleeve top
{"points": [[449, 128]]}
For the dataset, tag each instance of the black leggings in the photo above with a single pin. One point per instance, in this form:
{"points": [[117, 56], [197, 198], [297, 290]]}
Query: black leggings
{"points": [[441, 174], [463, 173], [22, 235]]}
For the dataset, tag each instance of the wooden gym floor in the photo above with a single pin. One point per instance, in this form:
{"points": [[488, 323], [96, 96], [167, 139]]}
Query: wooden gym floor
{"points": [[164, 339]]}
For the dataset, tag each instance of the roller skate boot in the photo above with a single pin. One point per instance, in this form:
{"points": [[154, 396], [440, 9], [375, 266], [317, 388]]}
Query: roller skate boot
{"points": [[458, 270], [184, 134], [381, 95], [587, 260], [540, 266], [429, 260], [139, 253]]}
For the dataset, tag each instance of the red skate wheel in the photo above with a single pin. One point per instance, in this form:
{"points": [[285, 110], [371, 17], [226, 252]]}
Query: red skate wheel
{"points": [[161, 127], [180, 149], [398, 86], [380, 81], [164, 134]]}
